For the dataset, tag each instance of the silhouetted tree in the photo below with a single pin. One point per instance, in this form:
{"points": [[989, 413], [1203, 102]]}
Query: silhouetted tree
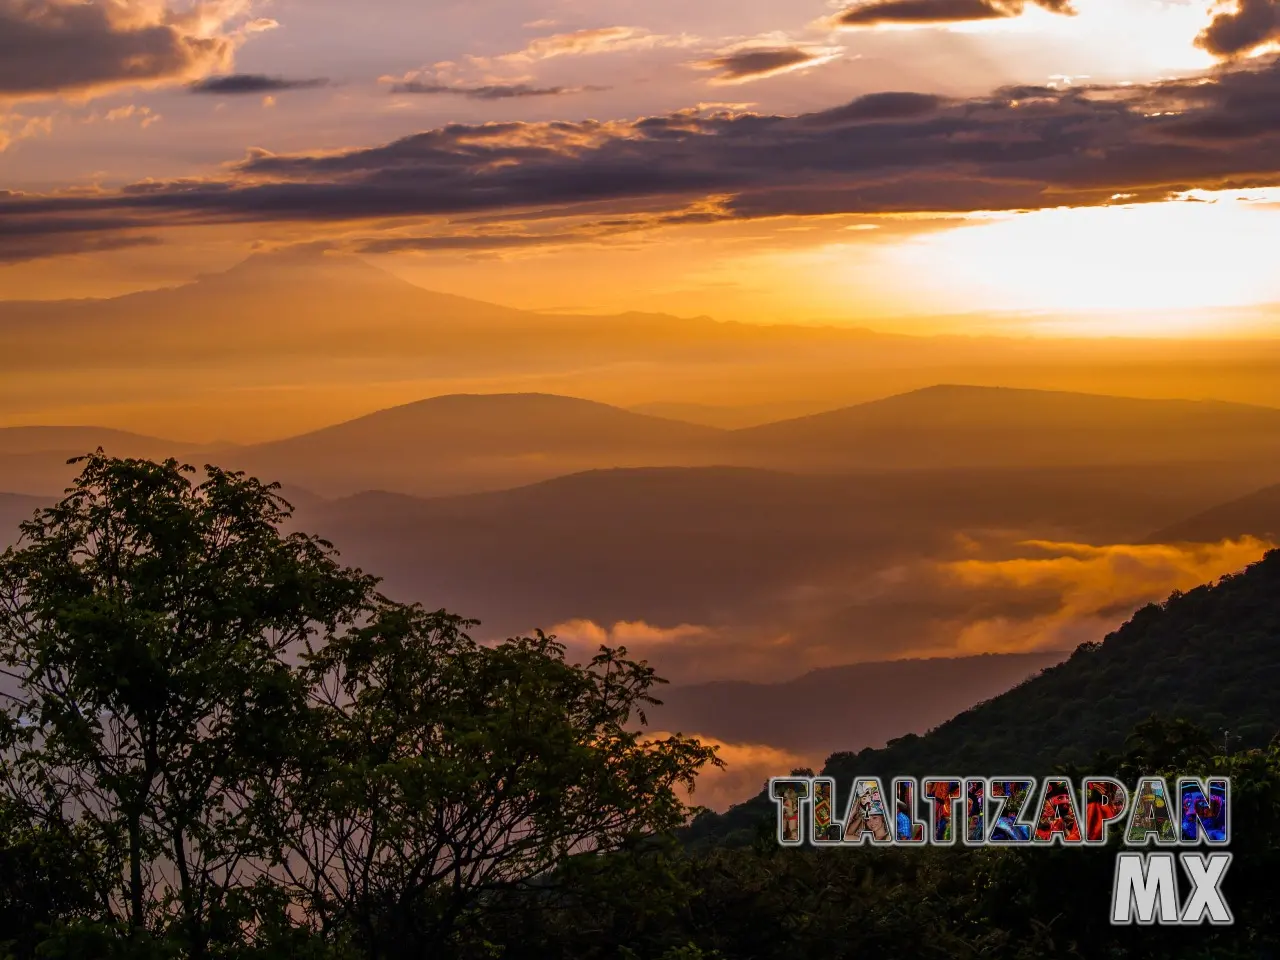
{"points": [[147, 622], [456, 772]]}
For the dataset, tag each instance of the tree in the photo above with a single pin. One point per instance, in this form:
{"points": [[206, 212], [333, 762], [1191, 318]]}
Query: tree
{"points": [[458, 772], [42, 871], [147, 626]]}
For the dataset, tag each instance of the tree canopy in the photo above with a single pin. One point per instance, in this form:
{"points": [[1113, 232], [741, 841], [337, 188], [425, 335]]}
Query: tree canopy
{"points": [[241, 745]]}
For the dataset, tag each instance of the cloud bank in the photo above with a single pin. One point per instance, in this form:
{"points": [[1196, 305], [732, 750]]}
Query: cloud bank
{"points": [[490, 91], [759, 62], [1020, 148], [1010, 596], [253, 83], [931, 12], [70, 48], [1252, 24]]}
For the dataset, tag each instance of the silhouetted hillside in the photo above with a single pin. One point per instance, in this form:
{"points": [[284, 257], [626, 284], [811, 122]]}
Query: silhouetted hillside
{"points": [[467, 443], [15, 508], [474, 442], [833, 708], [299, 303], [287, 342], [732, 416], [33, 460], [947, 426], [23, 440]]}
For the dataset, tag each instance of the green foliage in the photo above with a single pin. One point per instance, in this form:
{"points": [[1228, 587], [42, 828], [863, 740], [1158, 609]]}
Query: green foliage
{"points": [[216, 741], [43, 866], [149, 620], [454, 771]]}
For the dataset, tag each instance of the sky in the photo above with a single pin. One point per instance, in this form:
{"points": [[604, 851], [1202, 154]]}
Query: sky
{"points": [[1082, 167]]}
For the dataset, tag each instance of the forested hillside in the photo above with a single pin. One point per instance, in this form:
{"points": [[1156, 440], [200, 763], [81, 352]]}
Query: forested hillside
{"points": [[1210, 655]]}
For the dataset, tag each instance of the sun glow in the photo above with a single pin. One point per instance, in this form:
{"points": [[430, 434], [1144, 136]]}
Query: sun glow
{"points": [[1175, 256]]}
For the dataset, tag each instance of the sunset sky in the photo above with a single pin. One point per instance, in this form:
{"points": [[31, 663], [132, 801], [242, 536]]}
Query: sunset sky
{"points": [[1086, 167]]}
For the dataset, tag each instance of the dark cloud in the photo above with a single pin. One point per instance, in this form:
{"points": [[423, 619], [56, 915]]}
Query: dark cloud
{"points": [[55, 47], [880, 106], [877, 12], [759, 62], [495, 91], [38, 238], [1252, 24], [1019, 148], [246, 83], [479, 243]]}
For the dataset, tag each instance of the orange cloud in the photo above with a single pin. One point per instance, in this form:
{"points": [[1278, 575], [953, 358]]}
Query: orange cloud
{"points": [[583, 638], [1096, 586], [760, 61], [15, 127], [599, 40], [747, 767]]}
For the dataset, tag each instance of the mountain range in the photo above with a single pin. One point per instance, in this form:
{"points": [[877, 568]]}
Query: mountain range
{"points": [[470, 443], [288, 341]]}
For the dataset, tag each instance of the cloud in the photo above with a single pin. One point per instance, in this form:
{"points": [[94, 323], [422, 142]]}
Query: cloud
{"points": [[16, 126], [757, 63], [34, 240], [748, 767], [1250, 25], [253, 83], [1019, 148], [144, 115], [929, 12], [583, 638], [493, 91], [88, 47], [594, 41], [997, 594], [1095, 588], [475, 243]]}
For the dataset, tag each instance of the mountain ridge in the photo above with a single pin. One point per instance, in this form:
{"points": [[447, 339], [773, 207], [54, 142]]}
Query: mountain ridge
{"points": [[819, 711], [1255, 514]]}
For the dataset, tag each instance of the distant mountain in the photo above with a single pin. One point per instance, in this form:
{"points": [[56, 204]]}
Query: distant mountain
{"points": [[731, 416], [33, 460], [1256, 515], [476, 442], [293, 304], [15, 509], [467, 443], [835, 708], [289, 341], [951, 426], [27, 440]]}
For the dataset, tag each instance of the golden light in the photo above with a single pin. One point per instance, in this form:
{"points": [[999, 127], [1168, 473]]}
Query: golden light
{"points": [[1174, 256]]}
